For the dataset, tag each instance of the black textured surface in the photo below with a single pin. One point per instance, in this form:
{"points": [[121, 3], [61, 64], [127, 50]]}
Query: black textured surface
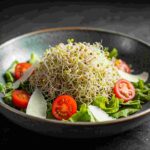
{"points": [[128, 18]]}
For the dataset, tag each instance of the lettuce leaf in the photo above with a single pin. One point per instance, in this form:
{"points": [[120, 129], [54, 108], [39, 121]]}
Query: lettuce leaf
{"points": [[2, 88], [8, 98], [109, 106], [142, 91], [49, 114], [132, 104], [6, 92], [9, 74], [113, 53], [11, 69], [26, 86], [82, 115], [124, 112], [33, 58], [117, 107], [8, 77], [127, 108]]}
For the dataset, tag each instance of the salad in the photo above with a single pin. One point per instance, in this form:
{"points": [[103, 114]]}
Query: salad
{"points": [[73, 82]]}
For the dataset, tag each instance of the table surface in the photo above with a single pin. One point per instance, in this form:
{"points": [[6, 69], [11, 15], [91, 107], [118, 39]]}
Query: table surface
{"points": [[127, 18]]}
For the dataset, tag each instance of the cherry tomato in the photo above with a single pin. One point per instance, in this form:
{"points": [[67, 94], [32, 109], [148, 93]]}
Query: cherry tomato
{"points": [[122, 65], [20, 98], [64, 107], [124, 89], [21, 68]]}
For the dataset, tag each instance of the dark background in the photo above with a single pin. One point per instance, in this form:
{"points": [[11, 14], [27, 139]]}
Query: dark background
{"points": [[130, 17]]}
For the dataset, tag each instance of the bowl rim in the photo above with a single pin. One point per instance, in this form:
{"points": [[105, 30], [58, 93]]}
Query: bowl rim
{"points": [[22, 114]]}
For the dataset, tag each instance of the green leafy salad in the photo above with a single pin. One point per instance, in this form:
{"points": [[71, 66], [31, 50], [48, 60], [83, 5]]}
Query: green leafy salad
{"points": [[74, 82]]}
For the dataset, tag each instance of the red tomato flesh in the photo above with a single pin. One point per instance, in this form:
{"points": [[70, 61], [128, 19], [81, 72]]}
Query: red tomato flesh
{"points": [[64, 107], [20, 98], [122, 65], [124, 89], [21, 68]]}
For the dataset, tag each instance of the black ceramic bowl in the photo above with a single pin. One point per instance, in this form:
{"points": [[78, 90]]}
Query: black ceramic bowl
{"points": [[133, 51]]}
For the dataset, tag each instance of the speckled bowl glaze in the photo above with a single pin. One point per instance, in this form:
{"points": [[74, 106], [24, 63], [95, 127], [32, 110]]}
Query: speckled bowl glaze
{"points": [[132, 50]]}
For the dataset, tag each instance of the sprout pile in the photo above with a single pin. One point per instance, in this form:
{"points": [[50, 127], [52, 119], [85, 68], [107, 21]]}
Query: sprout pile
{"points": [[82, 70]]}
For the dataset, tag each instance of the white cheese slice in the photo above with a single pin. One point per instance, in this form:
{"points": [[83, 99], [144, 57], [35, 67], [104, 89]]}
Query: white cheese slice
{"points": [[99, 114], [37, 105], [134, 78], [24, 77]]}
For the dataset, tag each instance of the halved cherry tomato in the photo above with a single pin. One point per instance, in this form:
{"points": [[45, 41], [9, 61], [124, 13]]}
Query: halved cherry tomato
{"points": [[64, 107], [122, 65], [20, 98], [124, 89], [21, 68]]}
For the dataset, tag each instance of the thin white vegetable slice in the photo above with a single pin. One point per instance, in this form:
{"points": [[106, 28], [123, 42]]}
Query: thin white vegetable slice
{"points": [[99, 114], [24, 77], [134, 78], [37, 105]]}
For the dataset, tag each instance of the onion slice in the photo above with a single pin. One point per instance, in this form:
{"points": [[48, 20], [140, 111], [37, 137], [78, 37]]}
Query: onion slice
{"points": [[99, 114], [134, 78], [37, 105]]}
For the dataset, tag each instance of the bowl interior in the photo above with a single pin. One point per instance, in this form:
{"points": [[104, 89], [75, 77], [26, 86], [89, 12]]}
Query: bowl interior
{"points": [[132, 51]]}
